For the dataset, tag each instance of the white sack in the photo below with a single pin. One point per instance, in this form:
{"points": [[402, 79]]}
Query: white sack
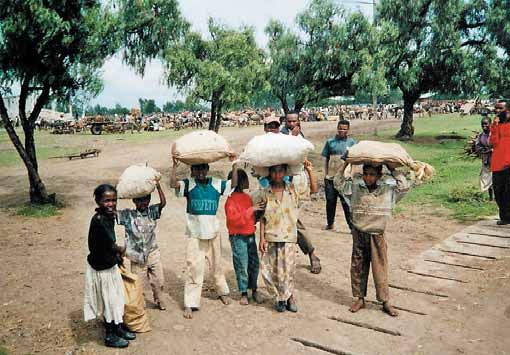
{"points": [[201, 147], [137, 181], [393, 154], [274, 149]]}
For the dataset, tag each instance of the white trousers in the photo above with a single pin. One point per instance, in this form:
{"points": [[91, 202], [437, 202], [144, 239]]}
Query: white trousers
{"points": [[197, 252]]}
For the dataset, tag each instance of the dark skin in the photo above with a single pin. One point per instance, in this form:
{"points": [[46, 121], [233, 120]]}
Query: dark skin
{"points": [[370, 177], [200, 175], [293, 124], [142, 203], [500, 107], [108, 205], [277, 174]]}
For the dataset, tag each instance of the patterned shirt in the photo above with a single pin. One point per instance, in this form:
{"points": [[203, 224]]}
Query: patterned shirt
{"points": [[334, 150], [372, 210], [140, 232], [281, 216], [202, 205]]}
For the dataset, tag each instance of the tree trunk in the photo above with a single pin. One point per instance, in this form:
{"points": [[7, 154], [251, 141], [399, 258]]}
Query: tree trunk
{"points": [[298, 106], [406, 131], [218, 117], [212, 121], [38, 193]]}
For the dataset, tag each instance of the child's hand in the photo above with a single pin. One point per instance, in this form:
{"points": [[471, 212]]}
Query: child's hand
{"points": [[263, 246], [232, 157], [175, 161], [260, 206], [308, 165]]}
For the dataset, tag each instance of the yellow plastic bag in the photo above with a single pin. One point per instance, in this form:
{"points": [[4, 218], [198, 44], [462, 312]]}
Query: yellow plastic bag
{"points": [[135, 316]]}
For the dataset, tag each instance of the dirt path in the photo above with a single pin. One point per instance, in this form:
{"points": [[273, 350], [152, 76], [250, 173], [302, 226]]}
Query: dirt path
{"points": [[41, 279]]}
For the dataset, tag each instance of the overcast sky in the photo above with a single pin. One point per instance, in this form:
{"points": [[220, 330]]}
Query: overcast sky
{"points": [[123, 86]]}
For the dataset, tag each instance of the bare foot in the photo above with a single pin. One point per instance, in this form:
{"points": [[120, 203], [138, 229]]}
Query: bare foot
{"points": [[244, 300], [188, 313], [388, 309], [358, 304], [315, 264], [225, 300]]}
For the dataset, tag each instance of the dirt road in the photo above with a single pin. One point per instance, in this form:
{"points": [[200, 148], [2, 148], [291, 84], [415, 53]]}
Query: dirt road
{"points": [[43, 261]]}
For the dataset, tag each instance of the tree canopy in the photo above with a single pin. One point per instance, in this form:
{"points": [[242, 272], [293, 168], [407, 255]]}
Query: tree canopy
{"points": [[332, 55], [224, 70]]}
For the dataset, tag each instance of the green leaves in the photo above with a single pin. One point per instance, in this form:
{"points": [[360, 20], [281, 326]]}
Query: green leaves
{"points": [[228, 66]]}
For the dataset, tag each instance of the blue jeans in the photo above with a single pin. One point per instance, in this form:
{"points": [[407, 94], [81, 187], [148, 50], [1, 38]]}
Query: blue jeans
{"points": [[246, 261]]}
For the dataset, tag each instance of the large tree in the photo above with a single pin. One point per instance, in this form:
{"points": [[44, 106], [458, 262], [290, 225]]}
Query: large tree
{"points": [[433, 46], [331, 55], [225, 69], [50, 49], [54, 49]]}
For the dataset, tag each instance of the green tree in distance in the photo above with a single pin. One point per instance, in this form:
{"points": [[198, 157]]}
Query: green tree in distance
{"points": [[224, 70]]}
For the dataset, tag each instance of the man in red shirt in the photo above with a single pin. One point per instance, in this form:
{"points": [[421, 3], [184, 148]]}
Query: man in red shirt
{"points": [[500, 162]]}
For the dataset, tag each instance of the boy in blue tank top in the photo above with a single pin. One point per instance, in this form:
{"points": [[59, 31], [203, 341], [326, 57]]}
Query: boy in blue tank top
{"points": [[202, 228]]}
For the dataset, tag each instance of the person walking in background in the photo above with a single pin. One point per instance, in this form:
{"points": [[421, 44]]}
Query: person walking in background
{"points": [[484, 149], [333, 152]]}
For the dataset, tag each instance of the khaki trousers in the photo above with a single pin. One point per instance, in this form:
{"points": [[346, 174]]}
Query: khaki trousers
{"points": [[151, 273], [197, 252], [366, 249]]}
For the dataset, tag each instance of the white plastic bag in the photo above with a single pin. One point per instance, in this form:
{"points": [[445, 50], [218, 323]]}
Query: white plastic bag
{"points": [[271, 149], [201, 147], [137, 181]]}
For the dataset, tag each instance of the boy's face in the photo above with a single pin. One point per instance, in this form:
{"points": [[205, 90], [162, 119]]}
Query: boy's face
{"points": [[485, 125], [108, 202], [142, 203], [277, 173], [370, 176], [199, 172], [342, 131]]}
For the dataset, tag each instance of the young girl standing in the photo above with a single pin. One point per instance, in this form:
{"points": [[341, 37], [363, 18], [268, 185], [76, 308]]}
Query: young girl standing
{"points": [[278, 234], [104, 291], [240, 213]]}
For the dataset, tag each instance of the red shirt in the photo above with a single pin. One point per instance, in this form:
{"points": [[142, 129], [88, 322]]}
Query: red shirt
{"points": [[240, 216], [500, 141]]}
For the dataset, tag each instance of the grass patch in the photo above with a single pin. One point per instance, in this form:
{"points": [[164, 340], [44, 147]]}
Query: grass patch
{"points": [[456, 184], [39, 211], [3, 351]]}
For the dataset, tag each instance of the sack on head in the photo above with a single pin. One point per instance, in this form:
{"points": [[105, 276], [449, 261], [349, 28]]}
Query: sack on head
{"points": [[137, 181], [275, 149], [201, 147]]}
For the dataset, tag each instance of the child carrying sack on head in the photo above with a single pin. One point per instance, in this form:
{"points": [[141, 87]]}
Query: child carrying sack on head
{"points": [[104, 291], [202, 228], [278, 234], [372, 198], [141, 246], [240, 213]]}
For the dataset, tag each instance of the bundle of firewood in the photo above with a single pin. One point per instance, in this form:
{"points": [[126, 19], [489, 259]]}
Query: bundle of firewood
{"points": [[470, 147]]}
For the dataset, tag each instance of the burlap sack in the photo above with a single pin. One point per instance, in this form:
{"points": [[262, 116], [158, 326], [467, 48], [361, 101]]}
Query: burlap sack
{"points": [[135, 317], [274, 149], [391, 154], [201, 147], [137, 181]]}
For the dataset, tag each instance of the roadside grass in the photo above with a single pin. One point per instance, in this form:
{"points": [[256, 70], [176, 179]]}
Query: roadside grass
{"points": [[3, 351], [51, 145], [38, 211], [456, 183]]}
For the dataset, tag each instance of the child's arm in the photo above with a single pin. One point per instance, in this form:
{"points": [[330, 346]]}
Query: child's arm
{"points": [[162, 198], [403, 186], [262, 241], [234, 175], [311, 177]]}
